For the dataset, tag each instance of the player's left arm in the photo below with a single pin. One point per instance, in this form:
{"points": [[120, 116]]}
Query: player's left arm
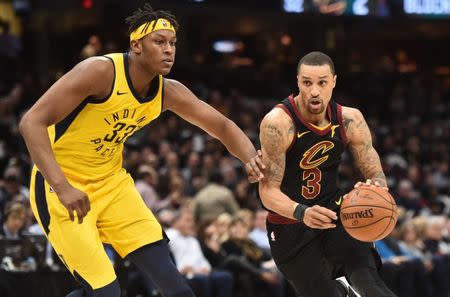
{"points": [[179, 99], [360, 144]]}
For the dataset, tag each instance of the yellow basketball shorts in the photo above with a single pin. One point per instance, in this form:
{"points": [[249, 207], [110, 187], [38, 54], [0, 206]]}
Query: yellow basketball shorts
{"points": [[118, 216]]}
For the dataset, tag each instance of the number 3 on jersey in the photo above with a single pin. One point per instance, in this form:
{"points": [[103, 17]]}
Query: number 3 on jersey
{"points": [[311, 183]]}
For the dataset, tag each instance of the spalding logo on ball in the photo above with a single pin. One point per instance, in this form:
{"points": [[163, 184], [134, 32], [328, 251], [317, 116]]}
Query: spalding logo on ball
{"points": [[369, 213]]}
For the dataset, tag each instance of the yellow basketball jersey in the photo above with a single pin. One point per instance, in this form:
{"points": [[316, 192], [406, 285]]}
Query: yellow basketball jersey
{"points": [[88, 143]]}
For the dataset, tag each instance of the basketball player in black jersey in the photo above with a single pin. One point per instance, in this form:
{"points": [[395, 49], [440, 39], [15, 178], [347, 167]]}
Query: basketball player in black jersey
{"points": [[302, 141]]}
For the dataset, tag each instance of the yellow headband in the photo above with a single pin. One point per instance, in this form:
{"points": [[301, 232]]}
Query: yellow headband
{"points": [[147, 28]]}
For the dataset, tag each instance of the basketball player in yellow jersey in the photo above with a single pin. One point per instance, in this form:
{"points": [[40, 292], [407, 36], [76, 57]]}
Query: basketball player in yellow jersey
{"points": [[75, 134]]}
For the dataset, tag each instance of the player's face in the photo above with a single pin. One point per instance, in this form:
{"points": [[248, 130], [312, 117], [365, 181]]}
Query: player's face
{"points": [[158, 51], [316, 84]]}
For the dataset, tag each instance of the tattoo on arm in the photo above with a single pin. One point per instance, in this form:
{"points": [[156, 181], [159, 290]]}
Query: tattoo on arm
{"points": [[352, 124], [347, 123], [274, 155], [364, 154], [291, 130], [369, 163]]}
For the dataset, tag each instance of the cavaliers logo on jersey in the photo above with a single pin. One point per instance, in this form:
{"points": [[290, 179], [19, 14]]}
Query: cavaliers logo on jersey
{"points": [[315, 155]]}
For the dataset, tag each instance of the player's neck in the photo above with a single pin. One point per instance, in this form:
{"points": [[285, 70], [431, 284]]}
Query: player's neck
{"points": [[319, 120], [140, 77]]}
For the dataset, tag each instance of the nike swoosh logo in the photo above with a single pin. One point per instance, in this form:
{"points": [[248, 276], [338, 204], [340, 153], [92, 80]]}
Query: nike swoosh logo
{"points": [[121, 93], [301, 134], [338, 202]]}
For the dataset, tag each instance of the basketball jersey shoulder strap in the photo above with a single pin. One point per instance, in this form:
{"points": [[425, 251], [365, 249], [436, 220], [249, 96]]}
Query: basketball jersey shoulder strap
{"points": [[334, 111], [336, 117], [286, 105], [288, 109]]}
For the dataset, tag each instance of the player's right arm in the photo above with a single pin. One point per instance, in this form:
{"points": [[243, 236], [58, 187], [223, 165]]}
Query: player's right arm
{"points": [[61, 99], [276, 134]]}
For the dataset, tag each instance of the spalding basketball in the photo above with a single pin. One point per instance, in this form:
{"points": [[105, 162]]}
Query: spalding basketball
{"points": [[368, 213]]}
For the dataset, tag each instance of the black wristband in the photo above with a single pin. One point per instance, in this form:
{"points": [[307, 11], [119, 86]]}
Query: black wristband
{"points": [[299, 212]]}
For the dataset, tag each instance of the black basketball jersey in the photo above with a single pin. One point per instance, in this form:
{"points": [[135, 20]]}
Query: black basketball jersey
{"points": [[312, 160]]}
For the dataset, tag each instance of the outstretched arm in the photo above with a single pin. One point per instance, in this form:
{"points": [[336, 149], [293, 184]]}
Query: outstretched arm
{"points": [[276, 134], [360, 144], [184, 103]]}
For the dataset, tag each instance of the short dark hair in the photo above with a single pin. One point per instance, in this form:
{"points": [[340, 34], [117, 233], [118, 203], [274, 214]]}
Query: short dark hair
{"points": [[216, 177], [316, 59], [147, 14]]}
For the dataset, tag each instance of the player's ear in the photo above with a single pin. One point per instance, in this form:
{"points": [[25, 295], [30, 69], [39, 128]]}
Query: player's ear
{"points": [[135, 46], [334, 80]]}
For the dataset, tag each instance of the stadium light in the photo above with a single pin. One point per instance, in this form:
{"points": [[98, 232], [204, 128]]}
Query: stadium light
{"points": [[293, 6]]}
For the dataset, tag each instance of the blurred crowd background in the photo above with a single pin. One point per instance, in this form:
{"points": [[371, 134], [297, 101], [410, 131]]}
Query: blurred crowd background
{"points": [[392, 61]]}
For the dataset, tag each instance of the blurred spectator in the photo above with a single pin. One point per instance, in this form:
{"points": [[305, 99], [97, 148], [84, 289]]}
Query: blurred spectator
{"points": [[191, 262], [18, 252], [209, 238], [192, 166], [223, 223], [211, 246], [434, 239], [11, 188], [247, 216], [146, 185], [263, 279], [198, 182], [175, 198], [245, 195], [15, 213], [92, 48], [441, 176], [171, 163], [214, 199], [436, 268], [259, 231], [407, 197], [404, 273]]}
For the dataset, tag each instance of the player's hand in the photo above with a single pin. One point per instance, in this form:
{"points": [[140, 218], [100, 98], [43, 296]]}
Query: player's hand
{"points": [[255, 168], [319, 217], [369, 183], [75, 200]]}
